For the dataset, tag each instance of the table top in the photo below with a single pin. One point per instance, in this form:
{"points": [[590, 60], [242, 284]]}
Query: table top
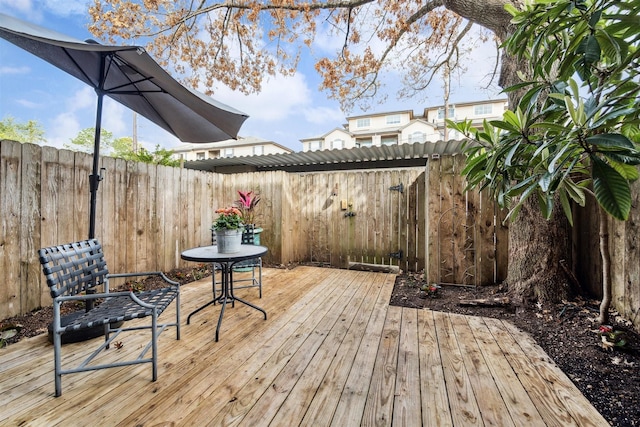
{"points": [[211, 254]]}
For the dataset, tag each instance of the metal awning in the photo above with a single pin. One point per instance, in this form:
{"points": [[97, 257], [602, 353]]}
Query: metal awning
{"points": [[386, 156]]}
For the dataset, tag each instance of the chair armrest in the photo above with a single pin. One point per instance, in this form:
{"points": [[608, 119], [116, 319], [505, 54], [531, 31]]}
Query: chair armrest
{"points": [[148, 273], [90, 297]]}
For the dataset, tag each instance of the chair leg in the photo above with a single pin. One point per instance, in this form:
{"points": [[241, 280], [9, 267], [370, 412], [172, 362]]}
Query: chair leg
{"points": [[178, 316], [57, 349], [154, 343]]}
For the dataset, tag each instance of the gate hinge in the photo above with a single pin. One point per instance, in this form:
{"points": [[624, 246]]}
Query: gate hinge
{"points": [[399, 187], [350, 213], [397, 255]]}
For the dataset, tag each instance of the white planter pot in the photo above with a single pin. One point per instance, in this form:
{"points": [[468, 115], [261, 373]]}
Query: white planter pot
{"points": [[229, 241]]}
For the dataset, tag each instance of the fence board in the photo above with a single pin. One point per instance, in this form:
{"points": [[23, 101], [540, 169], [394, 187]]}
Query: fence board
{"points": [[50, 203], [106, 217], [81, 190], [30, 215], [433, 213], [10, 166], [630, 307]]}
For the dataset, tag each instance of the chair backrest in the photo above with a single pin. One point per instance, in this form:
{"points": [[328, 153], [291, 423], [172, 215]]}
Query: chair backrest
{"points": [[73, 268], [248, 235]]}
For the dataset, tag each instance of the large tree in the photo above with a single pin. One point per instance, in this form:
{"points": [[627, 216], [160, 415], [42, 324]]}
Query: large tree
{"points": [[239, 43], [575, 133]]}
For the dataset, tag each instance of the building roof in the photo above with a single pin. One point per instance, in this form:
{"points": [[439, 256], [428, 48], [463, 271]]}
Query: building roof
{"points": [[240, 142], [383, 113], [386, 156]]}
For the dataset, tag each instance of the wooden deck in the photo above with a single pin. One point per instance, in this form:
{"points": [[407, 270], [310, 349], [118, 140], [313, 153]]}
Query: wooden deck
{"points": [[332, 352]]}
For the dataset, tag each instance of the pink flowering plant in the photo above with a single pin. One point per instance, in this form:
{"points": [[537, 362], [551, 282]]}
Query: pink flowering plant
{"points": [[246, 204], [228, 219], [431, 290]]}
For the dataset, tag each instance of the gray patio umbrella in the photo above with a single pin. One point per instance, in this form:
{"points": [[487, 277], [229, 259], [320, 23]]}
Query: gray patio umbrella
{"points": [[130, 76]]}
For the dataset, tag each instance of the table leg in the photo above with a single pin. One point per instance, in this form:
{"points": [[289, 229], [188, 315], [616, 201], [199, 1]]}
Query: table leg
{"points": [[234, 298], [227, 295]]}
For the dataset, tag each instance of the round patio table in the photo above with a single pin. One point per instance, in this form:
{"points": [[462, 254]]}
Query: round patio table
{"points": [[226, 262]]}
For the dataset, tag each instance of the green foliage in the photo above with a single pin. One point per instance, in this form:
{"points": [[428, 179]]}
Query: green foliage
{"points": [[121, 148], [612, 338], [30, 131], [85, 141], [575, 129], [431, 290], [160, 156], [8, 331]]}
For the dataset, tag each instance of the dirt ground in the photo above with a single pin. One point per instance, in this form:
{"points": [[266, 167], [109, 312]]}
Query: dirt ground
{"points": [[610, 379]]}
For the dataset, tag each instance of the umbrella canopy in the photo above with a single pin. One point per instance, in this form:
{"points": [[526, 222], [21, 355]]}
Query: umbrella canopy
{"points": [[130, 76]]}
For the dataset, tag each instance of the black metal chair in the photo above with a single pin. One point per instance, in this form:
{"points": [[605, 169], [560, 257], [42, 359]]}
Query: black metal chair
{"points": [[78, 272], [254, 265]]}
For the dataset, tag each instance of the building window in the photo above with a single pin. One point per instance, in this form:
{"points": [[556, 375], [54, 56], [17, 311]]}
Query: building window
{"points": [[417, 137], [315, 145], [214, 154], [480, 110], [337, 144], [364, 142], [389, 140], [258, 150], [363, 123], [200, 155], [452, 112], [393, 120], [228, 152]]}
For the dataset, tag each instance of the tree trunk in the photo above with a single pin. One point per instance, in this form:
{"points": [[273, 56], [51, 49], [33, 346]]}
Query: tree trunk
{"points": [[537, 250], [605, 255]]}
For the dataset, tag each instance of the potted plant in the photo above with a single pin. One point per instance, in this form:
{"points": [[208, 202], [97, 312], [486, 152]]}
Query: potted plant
{"points": [[246, 204], [228, 228]]}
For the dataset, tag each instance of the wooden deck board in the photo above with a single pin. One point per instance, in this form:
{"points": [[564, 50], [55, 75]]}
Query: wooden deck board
{"points": [[332, 352]]}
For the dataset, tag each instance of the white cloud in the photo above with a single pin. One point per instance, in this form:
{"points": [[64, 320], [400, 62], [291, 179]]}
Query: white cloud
{"points": [[14, 70], [324, 115], [63, 128], [28, 104], [66, 7], [82, 99], [24, 6], [279, 99], [116, 118]]}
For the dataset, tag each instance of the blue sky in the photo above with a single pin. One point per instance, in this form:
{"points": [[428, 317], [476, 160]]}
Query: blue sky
{"points": [[287, 109]]}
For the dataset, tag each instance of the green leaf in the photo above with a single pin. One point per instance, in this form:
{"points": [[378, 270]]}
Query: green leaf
{"points": [[592, 50], [545, 181], [628, 172], [511, 153], [611, 189], [593, 21], [504, 125], [575, 191], [566, 206], [610, 140]]}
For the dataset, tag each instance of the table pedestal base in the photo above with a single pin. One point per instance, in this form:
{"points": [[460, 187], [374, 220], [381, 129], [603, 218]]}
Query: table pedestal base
{"points": [[227, 296]]}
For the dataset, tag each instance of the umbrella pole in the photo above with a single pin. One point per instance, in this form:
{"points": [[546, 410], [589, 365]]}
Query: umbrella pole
{"points": [[95, 177]]}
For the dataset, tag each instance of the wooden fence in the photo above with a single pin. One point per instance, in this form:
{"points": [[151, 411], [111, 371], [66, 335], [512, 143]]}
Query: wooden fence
{"points": [[417, 218]]}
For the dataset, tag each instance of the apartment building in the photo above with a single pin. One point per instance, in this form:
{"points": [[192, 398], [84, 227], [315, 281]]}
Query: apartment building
{"points": [[243, 146], [402, 127]]}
